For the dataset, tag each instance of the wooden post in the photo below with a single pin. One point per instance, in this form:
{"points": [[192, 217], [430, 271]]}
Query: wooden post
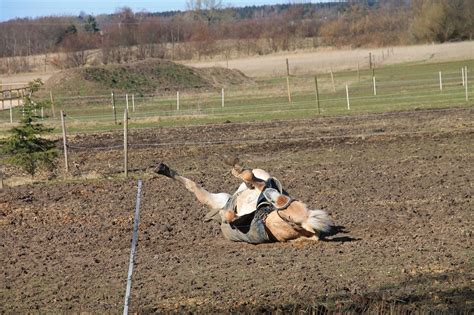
{"points": [[440, 82], [288, 80], [317, 92], [126, 100], [63, 125], [52, 103], [332, 80], [11, 112], [222, 96], [113, 108], [177, 100], [42, 113], [1, 180], [133, 103], [347, 96], [125, 142], [3, 105], [358, 73]]}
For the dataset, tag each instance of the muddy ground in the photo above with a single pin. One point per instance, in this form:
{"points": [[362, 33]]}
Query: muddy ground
{"points": [[398, 186]]}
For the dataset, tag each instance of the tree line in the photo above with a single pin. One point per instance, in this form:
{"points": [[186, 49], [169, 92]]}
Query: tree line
{"points": [[208, 28]]}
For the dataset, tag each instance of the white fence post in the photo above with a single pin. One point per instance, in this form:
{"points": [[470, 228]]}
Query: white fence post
{"points": [[347, 96], [375, 87], [126, 100], [440, 82], [125, 142], [462, 75], [465, 82], [136, 221], [222, 96], [177, 100], [133, 103], [63, 125]]}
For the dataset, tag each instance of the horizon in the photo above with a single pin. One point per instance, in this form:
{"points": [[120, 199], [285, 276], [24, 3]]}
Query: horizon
{"points": [[18, 9]]}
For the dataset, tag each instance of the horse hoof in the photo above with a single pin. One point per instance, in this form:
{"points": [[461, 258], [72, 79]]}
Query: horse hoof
{"points": [[164, 169]]}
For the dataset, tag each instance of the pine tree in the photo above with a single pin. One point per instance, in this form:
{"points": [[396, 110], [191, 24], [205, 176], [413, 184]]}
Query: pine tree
{"points": [[25, 148], [91, 24]]}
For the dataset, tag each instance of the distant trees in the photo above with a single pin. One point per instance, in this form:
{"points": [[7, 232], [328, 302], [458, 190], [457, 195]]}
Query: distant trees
{"points": [[443, 20], [208, 28]]}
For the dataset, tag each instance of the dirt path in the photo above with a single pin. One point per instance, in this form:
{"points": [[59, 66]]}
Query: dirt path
{"points": [[398, 186]]}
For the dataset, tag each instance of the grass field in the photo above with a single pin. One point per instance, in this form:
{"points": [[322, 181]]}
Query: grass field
{"points": [[397, 87]]}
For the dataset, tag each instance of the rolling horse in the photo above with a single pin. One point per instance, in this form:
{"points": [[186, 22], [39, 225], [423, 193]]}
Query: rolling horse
{"points": [[260, 211]]}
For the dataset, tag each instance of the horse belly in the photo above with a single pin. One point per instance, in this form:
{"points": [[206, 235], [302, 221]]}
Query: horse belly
{"points": [[247, 201], [281, 230]]}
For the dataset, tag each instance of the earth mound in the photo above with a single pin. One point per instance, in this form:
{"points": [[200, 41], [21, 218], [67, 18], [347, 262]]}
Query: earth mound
{"points": [[150, 76]]}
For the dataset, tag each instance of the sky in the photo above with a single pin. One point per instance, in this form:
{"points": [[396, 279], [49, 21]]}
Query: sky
{"points": [[10, 9]]}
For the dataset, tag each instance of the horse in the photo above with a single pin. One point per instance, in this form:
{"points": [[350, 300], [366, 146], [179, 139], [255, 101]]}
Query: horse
{"points": [[260, 211]]}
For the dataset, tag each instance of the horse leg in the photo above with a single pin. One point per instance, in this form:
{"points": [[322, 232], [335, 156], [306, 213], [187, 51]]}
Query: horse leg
{"points": [[308, 222], [215, 201]]}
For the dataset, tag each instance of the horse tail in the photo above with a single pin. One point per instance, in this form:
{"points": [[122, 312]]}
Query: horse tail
{"points": [[317, 220]]}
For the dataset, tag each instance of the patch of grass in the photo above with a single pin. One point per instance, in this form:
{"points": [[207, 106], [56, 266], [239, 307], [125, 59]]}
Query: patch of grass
{"points": [[399, 88], [119, 78]]}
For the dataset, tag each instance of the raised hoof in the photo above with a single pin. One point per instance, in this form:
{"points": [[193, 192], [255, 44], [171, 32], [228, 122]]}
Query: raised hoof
{"points": [[164, 169]]}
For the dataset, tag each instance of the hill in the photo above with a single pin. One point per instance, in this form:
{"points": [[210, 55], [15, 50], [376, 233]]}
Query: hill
{"points": [[144, 77]]}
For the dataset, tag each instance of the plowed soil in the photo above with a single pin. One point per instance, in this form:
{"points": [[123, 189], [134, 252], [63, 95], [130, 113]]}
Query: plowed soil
{"points": [[398, 186]]}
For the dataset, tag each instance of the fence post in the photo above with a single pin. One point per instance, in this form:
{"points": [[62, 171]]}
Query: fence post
{"points": [[11, 113], [1, 180], [52, 103], [177, 100], [288, 80], [370, 60], [136, 222], [125, 142], [222, 96], [375, 87], [113, 107], [317, 92], [440, 82], [126, 100], [358, 73], [42, 113], [347, 96], [133, 103], [63, 126], [462, 75], [465, 82], [332, 80]]}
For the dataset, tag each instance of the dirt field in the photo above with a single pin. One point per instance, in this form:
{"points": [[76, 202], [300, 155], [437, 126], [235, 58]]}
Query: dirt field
{"points": [[398, 186], [322, 60], [317, 61]]}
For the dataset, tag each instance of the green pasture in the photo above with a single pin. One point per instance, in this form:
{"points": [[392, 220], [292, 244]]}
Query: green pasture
{"points": [[398, 87]]}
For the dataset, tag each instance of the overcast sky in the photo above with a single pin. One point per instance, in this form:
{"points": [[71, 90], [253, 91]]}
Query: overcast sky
{"points": [[10, 9]]}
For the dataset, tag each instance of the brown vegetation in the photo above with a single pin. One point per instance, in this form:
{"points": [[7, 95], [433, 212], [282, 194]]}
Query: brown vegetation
{"points": [[210, 30]]}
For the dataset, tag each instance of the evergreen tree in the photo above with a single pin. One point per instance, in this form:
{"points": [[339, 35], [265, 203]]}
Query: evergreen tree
{"points": [[25, 148], [90, 24]]}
